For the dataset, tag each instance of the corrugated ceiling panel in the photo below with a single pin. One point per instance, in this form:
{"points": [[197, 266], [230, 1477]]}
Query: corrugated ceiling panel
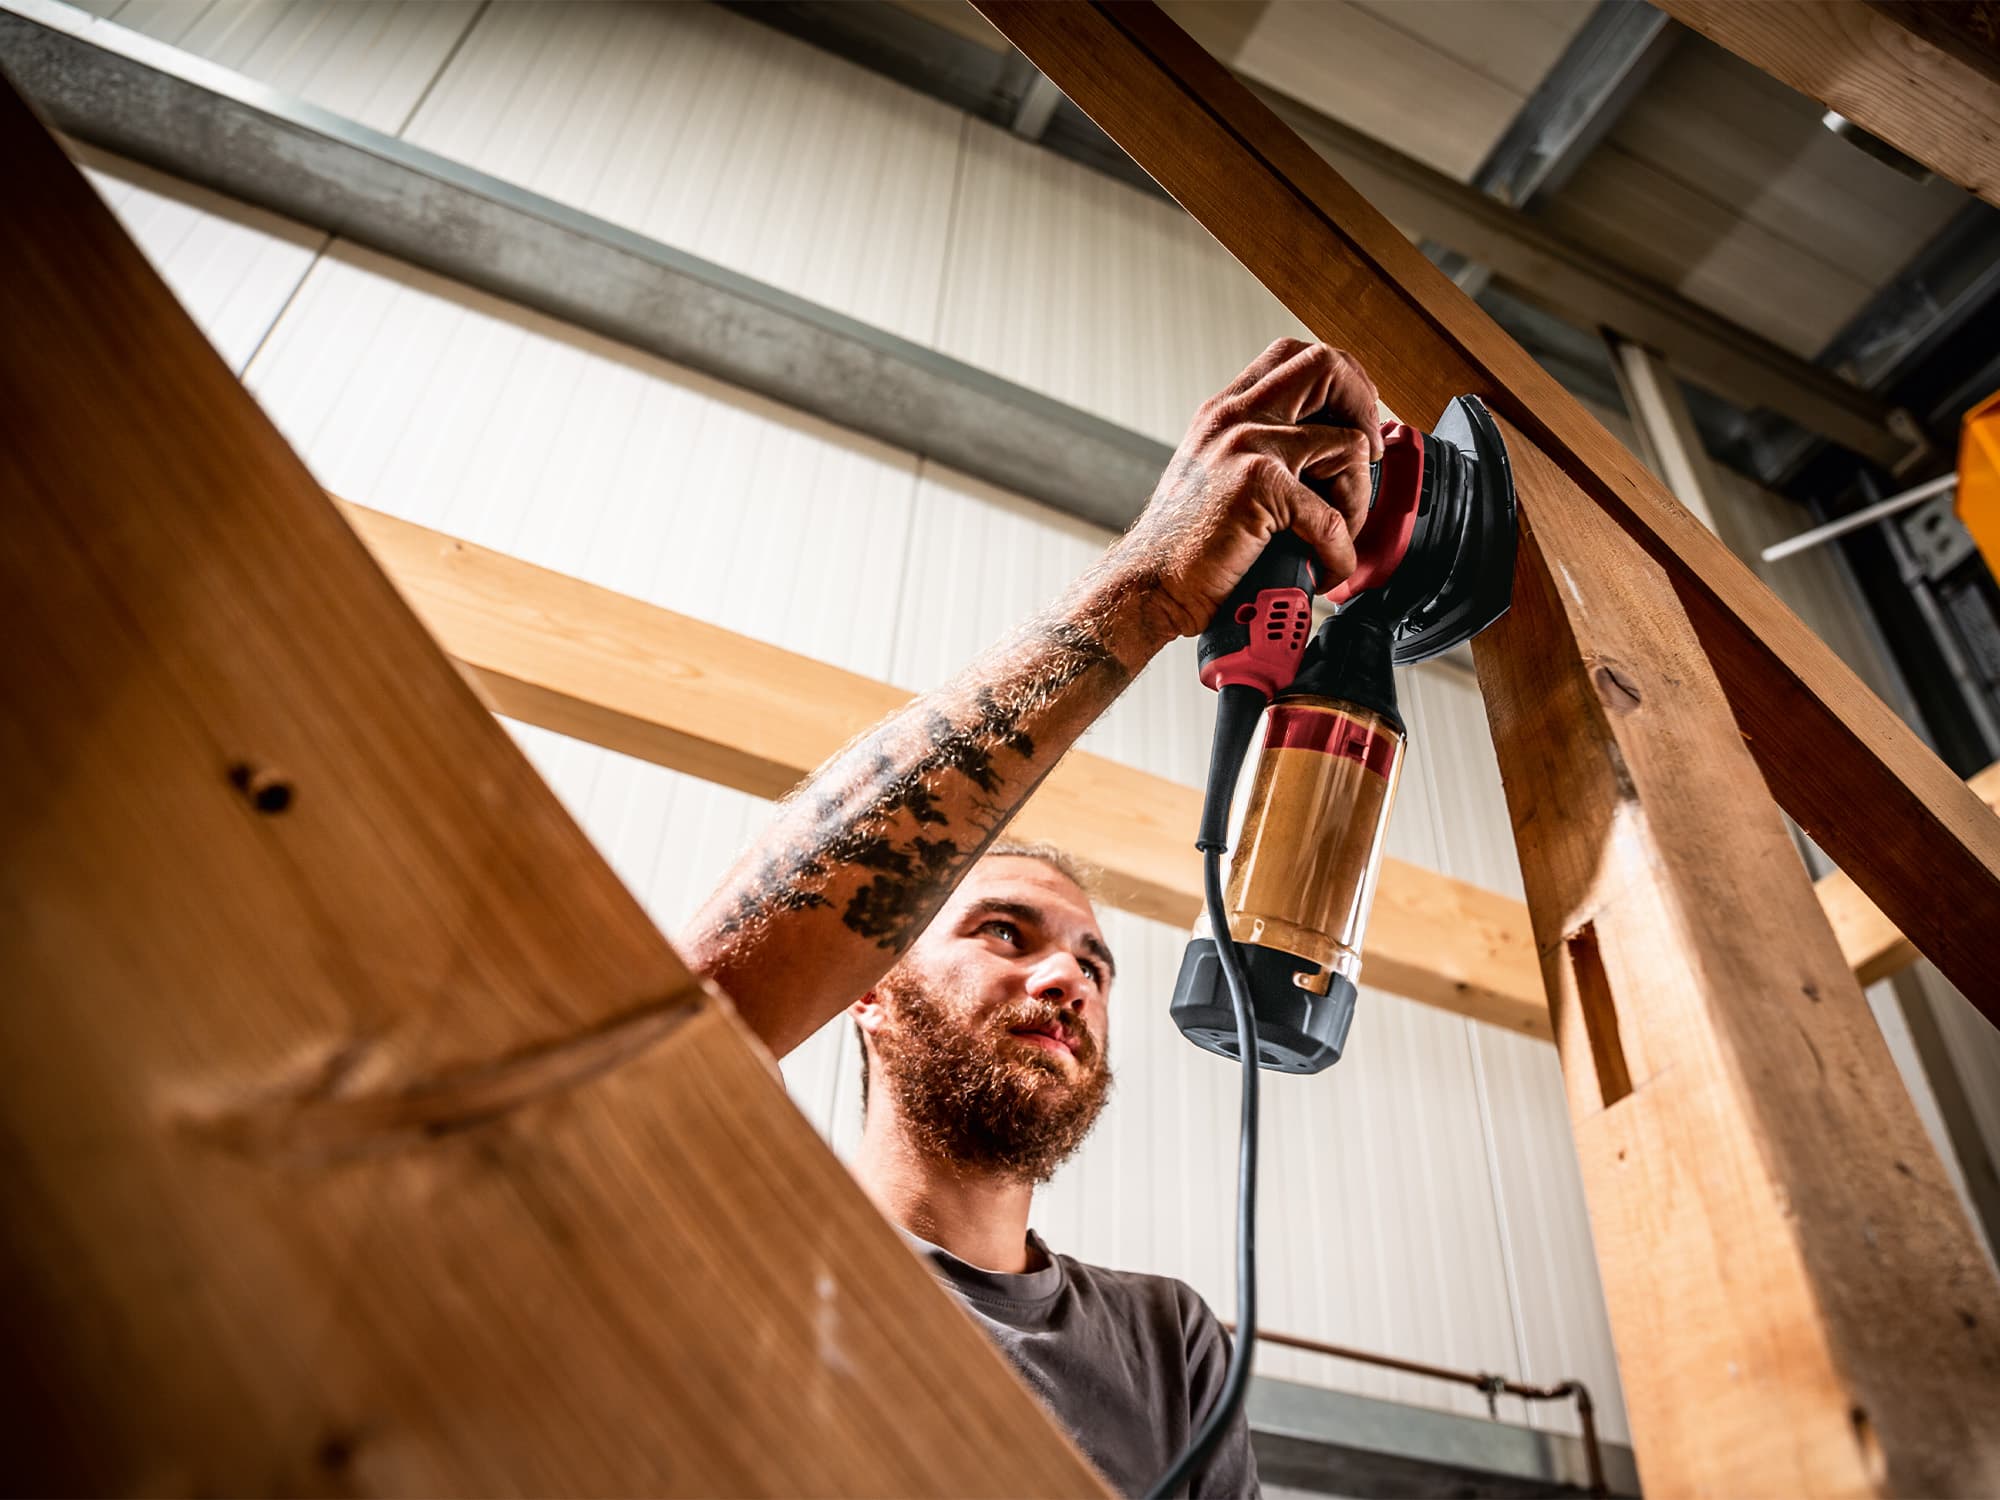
{"points": [[1713, 119], [370, 60], [716, 135], [1721, 181], [1097, 293], [1439, 81], [232, 266]]}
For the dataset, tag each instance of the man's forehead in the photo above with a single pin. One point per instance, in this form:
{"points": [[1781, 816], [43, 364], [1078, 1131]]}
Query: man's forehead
{"points": [[998, 873]]}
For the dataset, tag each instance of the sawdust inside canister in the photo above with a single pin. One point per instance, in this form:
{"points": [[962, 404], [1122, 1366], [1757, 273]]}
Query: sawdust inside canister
{"points": [[1311, 846]]}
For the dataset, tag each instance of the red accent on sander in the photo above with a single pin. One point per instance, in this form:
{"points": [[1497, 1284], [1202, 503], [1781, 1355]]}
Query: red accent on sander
{"points": [[1392, 519], [1332, 733]]}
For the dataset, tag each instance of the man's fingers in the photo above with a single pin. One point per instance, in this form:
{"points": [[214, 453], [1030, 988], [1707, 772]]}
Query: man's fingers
{"points": [[1337, 457], [1324, 450], [1292, 388], [1325, 530], [1317, 379], [1280, 351]]}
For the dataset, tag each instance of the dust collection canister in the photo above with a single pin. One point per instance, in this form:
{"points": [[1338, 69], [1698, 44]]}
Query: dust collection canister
{"points": [[1311, 844]]}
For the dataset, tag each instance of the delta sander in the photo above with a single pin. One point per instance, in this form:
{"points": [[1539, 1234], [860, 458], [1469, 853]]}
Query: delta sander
{"points": [[1436, 567]]}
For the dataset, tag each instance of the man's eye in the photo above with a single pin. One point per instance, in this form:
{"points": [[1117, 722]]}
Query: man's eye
{"points": [[1096, 975], [1007, 932]]}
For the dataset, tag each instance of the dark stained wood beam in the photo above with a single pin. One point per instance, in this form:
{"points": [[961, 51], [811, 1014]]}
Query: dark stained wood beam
{"points": [[1799, 1302], [1885, 808], [361, 1134]]}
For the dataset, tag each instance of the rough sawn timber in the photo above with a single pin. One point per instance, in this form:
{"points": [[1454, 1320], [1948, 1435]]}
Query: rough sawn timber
{"points": [[1880, 803], [1799, 1303], [361, 1135]]}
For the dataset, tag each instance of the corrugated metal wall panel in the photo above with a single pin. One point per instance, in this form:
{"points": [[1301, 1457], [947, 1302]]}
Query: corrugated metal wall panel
{"points": [[1099, 294], [1562, 1329], [719, 136], [370, 60], [233, 267], [461, 411]]}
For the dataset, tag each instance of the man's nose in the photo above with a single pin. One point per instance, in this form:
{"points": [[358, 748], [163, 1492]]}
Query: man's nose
{"points": [[1059, 977]]}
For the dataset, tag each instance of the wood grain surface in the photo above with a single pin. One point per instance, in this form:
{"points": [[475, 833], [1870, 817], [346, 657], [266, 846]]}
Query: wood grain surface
{"points": [[359, 1133], [1799, 1304], [1882, 805], [1925, 77]]}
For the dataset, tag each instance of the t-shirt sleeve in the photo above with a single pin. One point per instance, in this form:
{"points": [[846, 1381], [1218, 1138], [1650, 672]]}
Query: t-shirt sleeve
{"points": [[1230, 1470]]}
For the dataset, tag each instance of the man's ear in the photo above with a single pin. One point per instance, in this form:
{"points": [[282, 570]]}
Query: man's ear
{"points": [[869, 1013]]}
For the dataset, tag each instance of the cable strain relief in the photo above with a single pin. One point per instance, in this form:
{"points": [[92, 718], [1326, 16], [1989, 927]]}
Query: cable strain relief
{"points": [[1237, 709]]}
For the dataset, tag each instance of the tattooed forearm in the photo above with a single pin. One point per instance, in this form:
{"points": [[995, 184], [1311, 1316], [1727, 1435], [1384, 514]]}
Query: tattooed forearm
{"points": [[912, 805], [857, 861]]}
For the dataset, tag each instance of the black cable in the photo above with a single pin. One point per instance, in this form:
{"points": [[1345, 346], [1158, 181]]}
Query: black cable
{"points": [[1235, 716]]}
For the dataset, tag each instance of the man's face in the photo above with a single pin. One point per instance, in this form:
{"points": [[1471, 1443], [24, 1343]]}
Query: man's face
{"points": [[990, 1032]]}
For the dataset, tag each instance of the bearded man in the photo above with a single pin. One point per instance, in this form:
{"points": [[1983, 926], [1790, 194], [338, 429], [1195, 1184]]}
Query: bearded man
{"points": [[983, 978]]}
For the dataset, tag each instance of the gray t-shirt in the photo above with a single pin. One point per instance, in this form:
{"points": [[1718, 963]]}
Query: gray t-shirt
{"points": [[1128, 1363]]}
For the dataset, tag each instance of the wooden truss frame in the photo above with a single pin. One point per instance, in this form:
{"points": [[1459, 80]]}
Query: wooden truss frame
{"points": [[1799, 1304], [362, 1133]]}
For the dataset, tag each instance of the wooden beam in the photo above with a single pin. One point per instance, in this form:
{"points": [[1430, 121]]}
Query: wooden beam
{"points": [[1869, 941], [615, 671], [362, 1135], [1799, 1304], [1924, 77], [1667, 436], [1854, 776], [600, 666]]}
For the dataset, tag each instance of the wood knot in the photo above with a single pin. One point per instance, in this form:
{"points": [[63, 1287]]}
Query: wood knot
{"points": [[268, 791], [1615, 690]]}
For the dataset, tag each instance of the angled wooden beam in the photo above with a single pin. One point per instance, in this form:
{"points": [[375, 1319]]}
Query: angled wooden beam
{"points": [[1799, 1303], [362, 1135], [1869, 941], [601, 666], [1922, 75], [1869, 792]]}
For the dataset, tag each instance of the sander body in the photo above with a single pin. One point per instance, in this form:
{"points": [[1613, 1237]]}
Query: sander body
{"points": [[1435, 567]]}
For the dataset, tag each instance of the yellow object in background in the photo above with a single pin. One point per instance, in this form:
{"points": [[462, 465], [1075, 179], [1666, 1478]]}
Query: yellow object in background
{"points": [[1979, 478]]}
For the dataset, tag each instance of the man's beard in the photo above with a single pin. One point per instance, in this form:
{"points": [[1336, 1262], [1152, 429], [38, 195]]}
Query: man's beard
{"points": [[981, 1098]]}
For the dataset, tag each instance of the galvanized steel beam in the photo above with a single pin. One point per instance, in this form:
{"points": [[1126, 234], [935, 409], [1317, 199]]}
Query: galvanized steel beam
{"points": [[130, 94]]}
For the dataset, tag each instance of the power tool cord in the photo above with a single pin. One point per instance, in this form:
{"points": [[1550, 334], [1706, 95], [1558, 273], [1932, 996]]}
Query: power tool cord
{"points": [[1236, 713]]}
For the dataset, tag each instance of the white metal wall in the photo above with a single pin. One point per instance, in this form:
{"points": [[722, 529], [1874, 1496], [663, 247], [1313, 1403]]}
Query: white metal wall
{"points": [[1423, 1199]]}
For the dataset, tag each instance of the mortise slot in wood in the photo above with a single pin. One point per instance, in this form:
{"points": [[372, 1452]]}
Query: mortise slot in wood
{"points": [[1599, 1012]]}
